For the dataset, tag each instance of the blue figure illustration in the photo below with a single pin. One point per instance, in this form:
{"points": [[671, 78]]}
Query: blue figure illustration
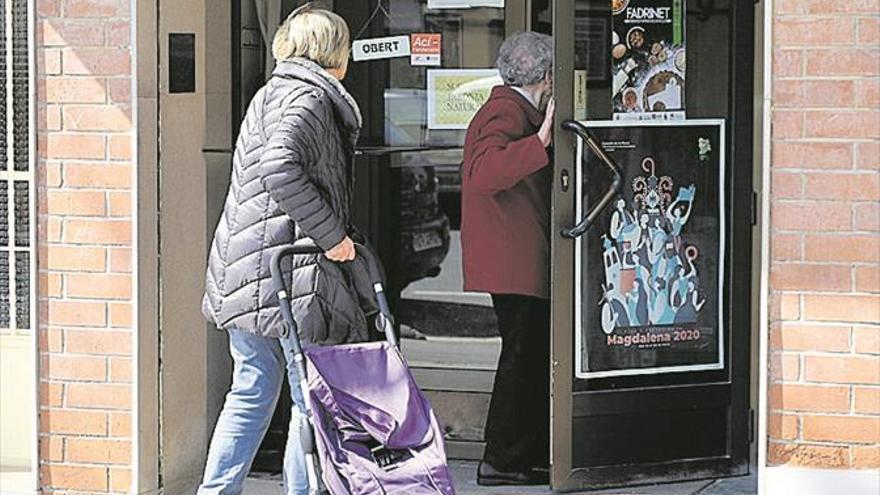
{"points": [[614, 310], [687, 313], [661, 312], [678, 215], [637, 303]]}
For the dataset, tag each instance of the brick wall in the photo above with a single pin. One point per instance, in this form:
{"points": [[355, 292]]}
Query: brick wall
{"points": [[84, 145], [825, 235]]}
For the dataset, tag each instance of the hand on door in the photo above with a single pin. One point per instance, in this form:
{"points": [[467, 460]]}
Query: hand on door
{"points": [[545, 133]]}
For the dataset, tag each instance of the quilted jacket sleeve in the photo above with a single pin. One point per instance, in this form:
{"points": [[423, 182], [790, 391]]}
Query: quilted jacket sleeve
{"points": [[297, 138]]}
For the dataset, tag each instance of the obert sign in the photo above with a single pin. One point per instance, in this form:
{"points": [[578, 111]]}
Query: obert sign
{"points": [[378, 48]]}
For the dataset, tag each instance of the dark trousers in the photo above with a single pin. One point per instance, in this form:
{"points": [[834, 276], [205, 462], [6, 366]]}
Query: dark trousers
{"points": [[518, 429]]}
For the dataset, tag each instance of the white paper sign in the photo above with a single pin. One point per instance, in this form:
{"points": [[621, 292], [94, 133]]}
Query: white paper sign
{"points": [[378, 48], [464, 4]]}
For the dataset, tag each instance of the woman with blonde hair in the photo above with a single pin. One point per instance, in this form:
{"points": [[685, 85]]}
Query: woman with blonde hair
{"points": [[291, 180]]}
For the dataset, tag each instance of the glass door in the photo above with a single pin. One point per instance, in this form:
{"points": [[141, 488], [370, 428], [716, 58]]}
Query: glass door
{"points": [[408, 190], [651, 305]]}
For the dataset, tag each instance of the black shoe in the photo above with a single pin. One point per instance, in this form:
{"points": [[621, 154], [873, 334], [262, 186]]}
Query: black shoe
{"points": [[487, 475]]}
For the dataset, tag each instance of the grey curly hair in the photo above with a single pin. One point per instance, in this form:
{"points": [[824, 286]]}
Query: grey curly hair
{"points": [[524, 58]]}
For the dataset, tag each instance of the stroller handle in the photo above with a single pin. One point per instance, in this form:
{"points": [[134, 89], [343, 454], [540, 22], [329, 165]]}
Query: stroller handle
{"points": [[384, 319]]}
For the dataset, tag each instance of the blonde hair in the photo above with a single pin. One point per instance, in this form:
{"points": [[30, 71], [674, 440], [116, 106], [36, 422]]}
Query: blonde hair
{"points": [[316, 34]]}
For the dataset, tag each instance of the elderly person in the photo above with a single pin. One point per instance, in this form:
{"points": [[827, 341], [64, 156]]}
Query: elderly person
{"points": [[291, 180], [505, 238]]}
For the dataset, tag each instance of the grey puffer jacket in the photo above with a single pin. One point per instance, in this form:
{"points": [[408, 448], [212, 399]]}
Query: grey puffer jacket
{"points": [[291, 179]]}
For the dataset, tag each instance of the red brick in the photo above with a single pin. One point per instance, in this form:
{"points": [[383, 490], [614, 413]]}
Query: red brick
{"points": [[814, 93], [867, 93], [82, 231], [75, 258], [51, 340], [120, 147], [866, 457], [75, 90], [52, 172], [54, 229], [47, 8], [786, 185], [788, 124], [844, 186], [790, 307], [852, 247], [813, 398], [782, 426], [85, 478], [53, 117], [810, 216], [869, 30], [805, 337], [98, 396], [99, 286], [120, 370], [784, 366], [118, 34], [104, 342], [867, 400], [120, 424], [825, 7], [97, 118], [82, 146], [866, 216], [816, 31], [812, 155], [120, 260], [120, 479], [95, 8], [51, 394], [82, 368], [120, 204], [71, 422], [842, 369], [787, 63], [98, 451], [855, 308], [80, 313], [58, 32], [786, 247], [120, 89], [96, 61], [837, 62], [868, 156], [49, 63], [842, 124], [797, 276], [842, 429], [120, 315], [51, 448], [867, 278], [78, 203], [867, 340], [813, 456], [89, 175]]}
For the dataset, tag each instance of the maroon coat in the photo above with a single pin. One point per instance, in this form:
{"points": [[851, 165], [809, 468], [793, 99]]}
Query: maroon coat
{"points": [[505, 199]]}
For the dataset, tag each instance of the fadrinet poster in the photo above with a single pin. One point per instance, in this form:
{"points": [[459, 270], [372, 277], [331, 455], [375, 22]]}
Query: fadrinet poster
{"points": [[649, 273], [648, 59]]}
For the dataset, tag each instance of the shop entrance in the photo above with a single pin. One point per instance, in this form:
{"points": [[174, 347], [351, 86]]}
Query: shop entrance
{"points": [[651, 305]]}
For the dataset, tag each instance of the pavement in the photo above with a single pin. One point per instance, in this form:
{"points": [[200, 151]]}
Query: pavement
{"points": [[464, 474]]}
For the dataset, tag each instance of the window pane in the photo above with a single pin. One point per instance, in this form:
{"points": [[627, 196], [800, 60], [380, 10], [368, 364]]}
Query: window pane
{"points": [[3, 89], [21, 100], [4, 213], [22, 290], [4, 290], [22, 214]]}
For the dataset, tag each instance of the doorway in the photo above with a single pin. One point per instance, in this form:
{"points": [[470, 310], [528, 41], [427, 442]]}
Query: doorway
{"points": [[407, 198]]}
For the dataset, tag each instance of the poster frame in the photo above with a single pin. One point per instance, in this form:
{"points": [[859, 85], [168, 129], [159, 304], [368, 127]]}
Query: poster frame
{"points": [[581, 362]]}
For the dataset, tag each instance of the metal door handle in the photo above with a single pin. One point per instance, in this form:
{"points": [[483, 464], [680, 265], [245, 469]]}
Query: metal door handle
{"points": [[613, 190]]}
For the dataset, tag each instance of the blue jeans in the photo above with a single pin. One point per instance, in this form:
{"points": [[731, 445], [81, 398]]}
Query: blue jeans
{"points": [[259, 366]]}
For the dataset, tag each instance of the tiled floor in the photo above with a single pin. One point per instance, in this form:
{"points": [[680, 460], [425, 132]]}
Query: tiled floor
{"points": [[465, 474]]}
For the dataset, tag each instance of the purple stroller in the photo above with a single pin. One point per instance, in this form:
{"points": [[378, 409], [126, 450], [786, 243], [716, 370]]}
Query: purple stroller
{"points": [[368, 428]]}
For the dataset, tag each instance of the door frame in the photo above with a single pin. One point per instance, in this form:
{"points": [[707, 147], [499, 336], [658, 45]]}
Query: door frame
{"points": [[741, 127]]}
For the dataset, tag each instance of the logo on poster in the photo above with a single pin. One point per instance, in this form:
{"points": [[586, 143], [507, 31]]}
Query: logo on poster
{"points": [[649, 13]]}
